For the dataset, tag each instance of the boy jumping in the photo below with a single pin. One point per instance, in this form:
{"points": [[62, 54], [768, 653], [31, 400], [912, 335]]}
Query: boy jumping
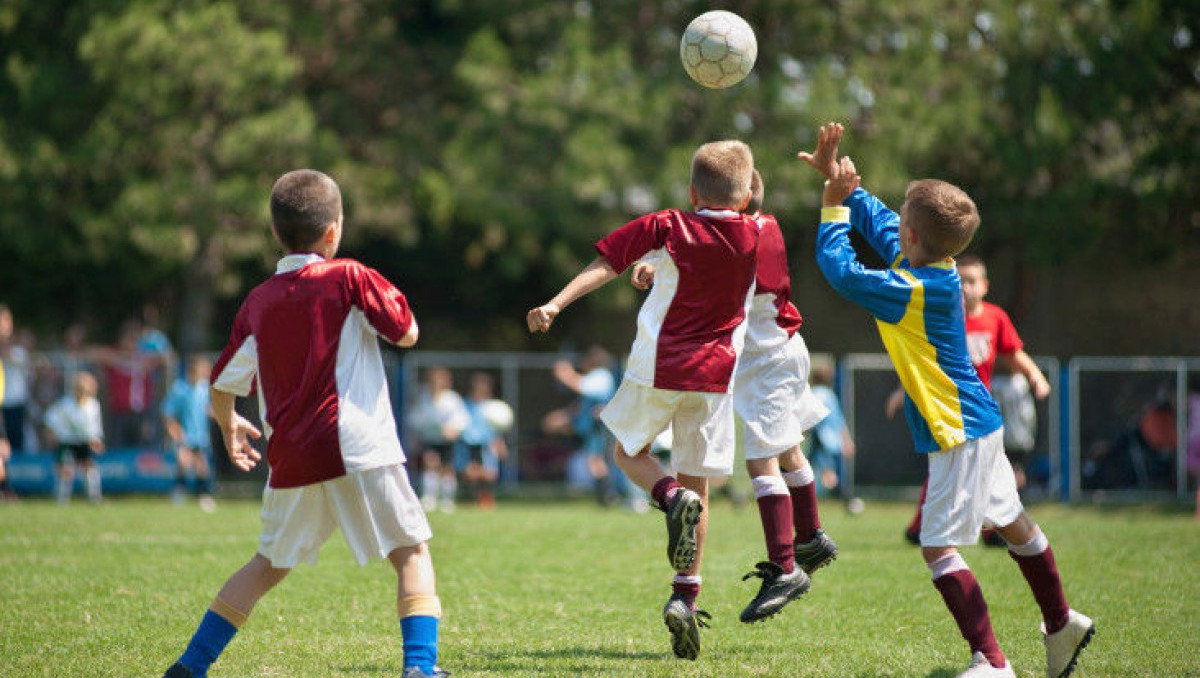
{"points": [[680, 370], [775, 406], [917, 304]]}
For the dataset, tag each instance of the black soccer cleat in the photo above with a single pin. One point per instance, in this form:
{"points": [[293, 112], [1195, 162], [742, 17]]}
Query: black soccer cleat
{"points": [[683, 516], [178, 670], [816, 553], [778, 589], [684, 623]]}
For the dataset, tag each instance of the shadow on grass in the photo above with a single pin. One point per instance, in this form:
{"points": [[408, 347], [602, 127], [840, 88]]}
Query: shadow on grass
{"points": [[589, 661]]}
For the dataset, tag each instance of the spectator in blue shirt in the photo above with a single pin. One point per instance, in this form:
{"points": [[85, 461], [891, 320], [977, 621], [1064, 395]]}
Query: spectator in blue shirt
{"points": [[185, 413]]}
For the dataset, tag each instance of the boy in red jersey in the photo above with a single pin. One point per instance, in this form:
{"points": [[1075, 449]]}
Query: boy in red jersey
{"points": [[991, 336], [680, 369], [775, 405], [307, 341]]}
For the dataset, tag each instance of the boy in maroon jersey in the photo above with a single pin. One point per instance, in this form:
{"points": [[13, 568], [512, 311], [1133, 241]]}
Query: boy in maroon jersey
{"points": [[306, 339], [775, 405], [991, 336], [680, 369]]}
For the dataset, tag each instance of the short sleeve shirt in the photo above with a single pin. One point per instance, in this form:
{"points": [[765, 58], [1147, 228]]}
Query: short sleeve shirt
{"points": [[989, 334], [773, 317], [690, 328], [307, 339]]}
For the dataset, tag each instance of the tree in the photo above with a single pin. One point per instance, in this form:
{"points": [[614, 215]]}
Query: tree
{"points": [[201, 115]]}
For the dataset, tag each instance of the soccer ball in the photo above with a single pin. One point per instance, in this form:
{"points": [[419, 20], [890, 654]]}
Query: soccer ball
{"points": [[718, 49], [497, 414]]}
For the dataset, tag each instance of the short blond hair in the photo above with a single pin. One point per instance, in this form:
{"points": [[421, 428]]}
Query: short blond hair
{"points": [[943, 216], [721, 173]]}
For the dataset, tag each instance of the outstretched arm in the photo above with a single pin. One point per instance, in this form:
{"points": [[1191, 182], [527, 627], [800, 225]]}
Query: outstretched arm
{"points": [[591, 278]]}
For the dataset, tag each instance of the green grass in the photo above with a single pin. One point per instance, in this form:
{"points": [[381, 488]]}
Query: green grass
{"points": [[573, 590]]}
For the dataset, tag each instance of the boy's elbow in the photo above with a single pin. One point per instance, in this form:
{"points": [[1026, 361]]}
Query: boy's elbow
{"points": [[410, 337]]}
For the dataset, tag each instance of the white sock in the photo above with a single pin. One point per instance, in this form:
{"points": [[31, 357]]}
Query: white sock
{"points": [[800, 477]]}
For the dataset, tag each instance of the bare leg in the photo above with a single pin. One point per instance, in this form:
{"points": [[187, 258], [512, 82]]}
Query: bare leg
{"points": [[642, 468], [243, 590]]}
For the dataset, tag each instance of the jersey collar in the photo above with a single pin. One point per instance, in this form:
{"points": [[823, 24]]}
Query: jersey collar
{"points": [[717, 214], [295, 262]]}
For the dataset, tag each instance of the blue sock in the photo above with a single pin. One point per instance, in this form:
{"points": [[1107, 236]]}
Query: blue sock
{"points": [[213, 634], [420, 634]]}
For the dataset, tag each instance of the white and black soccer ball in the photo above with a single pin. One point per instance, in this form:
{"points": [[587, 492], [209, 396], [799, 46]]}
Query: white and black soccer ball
{"points": [[718, 49]]}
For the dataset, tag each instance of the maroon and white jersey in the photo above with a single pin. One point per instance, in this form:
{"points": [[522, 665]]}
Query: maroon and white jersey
{"points": [[691, 326], [773, 317], [307, 339]]}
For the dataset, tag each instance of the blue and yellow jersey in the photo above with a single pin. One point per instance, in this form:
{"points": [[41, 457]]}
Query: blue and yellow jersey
{"points": [[919, 311]]}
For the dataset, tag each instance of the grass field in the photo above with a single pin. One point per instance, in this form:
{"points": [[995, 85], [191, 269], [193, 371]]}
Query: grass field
{"points": [[573, 590]]}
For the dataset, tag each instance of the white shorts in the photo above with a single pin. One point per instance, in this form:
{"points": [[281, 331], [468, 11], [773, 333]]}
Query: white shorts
{"points": [[376, 509], [772, 398], [969, 486], [703, 439]]}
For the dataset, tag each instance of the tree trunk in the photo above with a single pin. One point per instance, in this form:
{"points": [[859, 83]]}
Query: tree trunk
{"points": [[198, 299]]}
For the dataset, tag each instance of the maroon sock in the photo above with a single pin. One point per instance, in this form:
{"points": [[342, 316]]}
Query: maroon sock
{"points": [[1042, 574], [804, 511], [963, 596], [915, 526], [776, 513], [663, 490], [688, 591]]}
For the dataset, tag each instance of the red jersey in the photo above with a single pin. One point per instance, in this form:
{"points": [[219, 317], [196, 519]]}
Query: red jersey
{"points": [[988, 334], [773, 317], [307, 339], [691, 326]]}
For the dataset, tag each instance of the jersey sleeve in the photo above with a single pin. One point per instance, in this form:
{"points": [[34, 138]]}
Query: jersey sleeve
{"points": [[876, 222], [384, 306], [884, 293], [624, 246], [1007, 339], [236, 367]]}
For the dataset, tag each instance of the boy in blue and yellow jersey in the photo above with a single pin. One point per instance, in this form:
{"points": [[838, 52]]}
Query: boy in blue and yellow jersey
{"points": [[918, 306]]}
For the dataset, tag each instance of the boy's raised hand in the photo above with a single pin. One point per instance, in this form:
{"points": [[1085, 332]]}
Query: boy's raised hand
{"points": [[824, 158], [842, 182]]}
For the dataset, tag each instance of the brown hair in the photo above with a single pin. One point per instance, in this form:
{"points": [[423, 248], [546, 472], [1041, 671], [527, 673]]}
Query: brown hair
{"points": [[756, 193], [971, 260], [303, 205], [721, 172], [943, 216]]}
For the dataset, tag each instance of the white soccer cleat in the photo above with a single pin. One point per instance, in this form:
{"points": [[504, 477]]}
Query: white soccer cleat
{"points": [[981, 668], [1064, 645]]}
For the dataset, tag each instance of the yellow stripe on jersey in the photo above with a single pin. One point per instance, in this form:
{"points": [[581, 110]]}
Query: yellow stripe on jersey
{"points": [[929, 387]]}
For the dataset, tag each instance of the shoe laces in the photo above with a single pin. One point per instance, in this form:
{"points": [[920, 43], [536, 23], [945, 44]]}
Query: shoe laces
{"points": [[764, 570]]}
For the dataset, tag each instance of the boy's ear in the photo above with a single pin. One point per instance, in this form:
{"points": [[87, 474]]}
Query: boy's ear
{"points": [[742, 207], [693, 195]]}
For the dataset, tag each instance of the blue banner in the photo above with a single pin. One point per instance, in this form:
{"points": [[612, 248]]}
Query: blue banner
{"points": [[121, 471]]}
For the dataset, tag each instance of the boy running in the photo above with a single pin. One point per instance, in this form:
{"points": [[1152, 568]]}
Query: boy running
{"points": [[680, 370], [917, 305], [306, 341]]}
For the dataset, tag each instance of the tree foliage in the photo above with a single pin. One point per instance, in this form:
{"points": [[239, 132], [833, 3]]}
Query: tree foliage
{"points": [[483, 146]]}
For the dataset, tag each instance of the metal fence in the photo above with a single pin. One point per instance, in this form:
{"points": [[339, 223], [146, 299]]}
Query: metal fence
{"points": [[1114, 428], [886, 463]]}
